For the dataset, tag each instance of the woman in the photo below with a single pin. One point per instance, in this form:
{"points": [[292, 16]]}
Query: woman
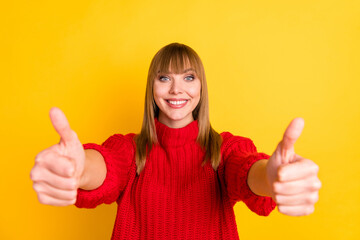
{"points": [[178, 178]]}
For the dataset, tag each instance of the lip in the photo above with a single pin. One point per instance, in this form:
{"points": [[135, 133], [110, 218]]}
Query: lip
{"points": [[178, 105]]}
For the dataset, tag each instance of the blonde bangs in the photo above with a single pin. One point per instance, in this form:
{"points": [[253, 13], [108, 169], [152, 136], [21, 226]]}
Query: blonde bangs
{"points": [[176, 60]]}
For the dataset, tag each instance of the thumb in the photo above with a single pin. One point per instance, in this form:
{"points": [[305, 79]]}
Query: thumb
{"points": [[292, 133], [61, 125]]}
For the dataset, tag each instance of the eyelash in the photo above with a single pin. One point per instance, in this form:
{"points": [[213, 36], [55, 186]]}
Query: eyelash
{"points": [[191, 76], [161, 78]]}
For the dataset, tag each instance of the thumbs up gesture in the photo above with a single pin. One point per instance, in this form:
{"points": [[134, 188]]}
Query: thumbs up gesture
{"points": [[293, 179], [57, 170]]}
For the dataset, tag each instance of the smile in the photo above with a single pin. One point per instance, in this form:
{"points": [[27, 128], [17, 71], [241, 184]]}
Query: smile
{"points": [[176, 103]]}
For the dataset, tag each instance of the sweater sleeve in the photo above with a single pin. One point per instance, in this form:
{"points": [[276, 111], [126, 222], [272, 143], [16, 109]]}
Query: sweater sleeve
{"points": [[239, 154], [118, 152]]}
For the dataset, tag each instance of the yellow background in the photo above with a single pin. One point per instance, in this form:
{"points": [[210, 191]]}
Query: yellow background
{"points": [[266, 63]]}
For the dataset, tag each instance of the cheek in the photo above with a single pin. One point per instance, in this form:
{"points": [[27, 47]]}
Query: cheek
{"points": [[159, 92], [195, 90]]}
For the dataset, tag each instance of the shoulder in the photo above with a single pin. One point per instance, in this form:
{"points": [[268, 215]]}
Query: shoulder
{"points": [[121, 142], [121, 138], [238, 144]]}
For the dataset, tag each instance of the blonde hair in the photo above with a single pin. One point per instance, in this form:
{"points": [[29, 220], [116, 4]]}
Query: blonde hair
{"points": [[175, 56]]}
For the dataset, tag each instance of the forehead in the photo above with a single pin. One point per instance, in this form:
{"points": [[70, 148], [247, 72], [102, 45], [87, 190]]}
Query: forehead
{"points": [[170, 71], [177, 66]]}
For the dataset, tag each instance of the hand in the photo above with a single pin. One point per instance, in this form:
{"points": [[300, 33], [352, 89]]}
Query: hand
{"points": [[57, 170], [293, 179]]}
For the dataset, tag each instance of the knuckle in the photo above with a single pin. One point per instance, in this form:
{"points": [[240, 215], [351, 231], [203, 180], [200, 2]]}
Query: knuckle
{"points": [[309, 210], [280, 174], [316, 185], [75, 184], [40, 156], [305, 161], [68, 202], [43, 199], [313, 198], [32, 177], [276, 198], [71, 195], [282, 209], [315, 168], [72, 184], [275, 187], [34, 174], [69, 184], [36, 187], [74, 195], [45, 155], [313, 185]]}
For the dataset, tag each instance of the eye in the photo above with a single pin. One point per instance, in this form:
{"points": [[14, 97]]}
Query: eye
{"points": [[190, 78], [164, 78]]}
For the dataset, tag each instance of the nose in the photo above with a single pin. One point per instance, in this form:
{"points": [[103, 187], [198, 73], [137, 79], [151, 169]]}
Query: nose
{"points": [[176, 87]]}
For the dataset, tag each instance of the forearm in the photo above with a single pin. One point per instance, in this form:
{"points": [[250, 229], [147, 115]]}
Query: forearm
{"points": [[94, 172], [257, 179]]}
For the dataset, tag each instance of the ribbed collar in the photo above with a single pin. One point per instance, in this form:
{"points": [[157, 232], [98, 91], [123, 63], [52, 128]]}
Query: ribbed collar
{"points": [[172, 137]]}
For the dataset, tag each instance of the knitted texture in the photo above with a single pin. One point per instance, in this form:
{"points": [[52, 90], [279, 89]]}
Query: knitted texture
{"points": [[174, 197]]}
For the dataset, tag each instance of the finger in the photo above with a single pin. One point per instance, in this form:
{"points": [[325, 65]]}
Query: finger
{"points": [[292, 133], [61, 125], [57, 164], [42, 187], [297, 210], [299, 169], [297, 187], [41, 174], [300, 199], [48, 200]]}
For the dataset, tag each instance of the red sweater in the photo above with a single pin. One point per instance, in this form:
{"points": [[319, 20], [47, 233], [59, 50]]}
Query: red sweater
{"points": [[174, 197]]}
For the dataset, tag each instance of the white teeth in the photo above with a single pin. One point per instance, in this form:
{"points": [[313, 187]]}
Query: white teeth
{"points": [[177, 102]]}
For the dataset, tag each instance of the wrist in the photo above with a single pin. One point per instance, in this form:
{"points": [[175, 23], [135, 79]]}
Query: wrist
{"points": [[258, 180]]}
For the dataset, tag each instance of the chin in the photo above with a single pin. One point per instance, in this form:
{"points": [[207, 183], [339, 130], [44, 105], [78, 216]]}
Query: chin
{"points": [[177, 118]]}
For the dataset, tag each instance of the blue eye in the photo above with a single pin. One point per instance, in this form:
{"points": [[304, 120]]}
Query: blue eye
{"points": [[189, 78], [163, 78]]}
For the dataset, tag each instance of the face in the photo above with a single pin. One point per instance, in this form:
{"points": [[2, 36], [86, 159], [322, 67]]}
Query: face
{"points": [[177, 95]]}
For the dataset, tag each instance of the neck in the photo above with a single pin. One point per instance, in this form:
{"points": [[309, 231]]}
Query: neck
{"points": [[172, 137], [175, 123]]}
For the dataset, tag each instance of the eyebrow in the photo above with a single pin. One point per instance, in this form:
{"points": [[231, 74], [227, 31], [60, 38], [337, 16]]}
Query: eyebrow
{"points": [[185, 71]]}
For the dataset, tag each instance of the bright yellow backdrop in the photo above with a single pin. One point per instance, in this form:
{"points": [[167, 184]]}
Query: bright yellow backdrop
{"points": [[266, 63]]}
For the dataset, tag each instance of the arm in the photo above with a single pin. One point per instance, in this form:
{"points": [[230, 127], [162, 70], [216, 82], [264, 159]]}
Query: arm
{"points": [[107, 171], [239, 155], [94, 172]]}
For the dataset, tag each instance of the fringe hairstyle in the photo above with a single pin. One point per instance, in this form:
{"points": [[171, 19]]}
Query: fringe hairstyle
{"points": [[174, 57]]}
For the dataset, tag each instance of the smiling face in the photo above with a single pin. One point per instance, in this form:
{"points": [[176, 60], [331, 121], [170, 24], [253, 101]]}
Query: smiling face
{"points": [[177, 95]]}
